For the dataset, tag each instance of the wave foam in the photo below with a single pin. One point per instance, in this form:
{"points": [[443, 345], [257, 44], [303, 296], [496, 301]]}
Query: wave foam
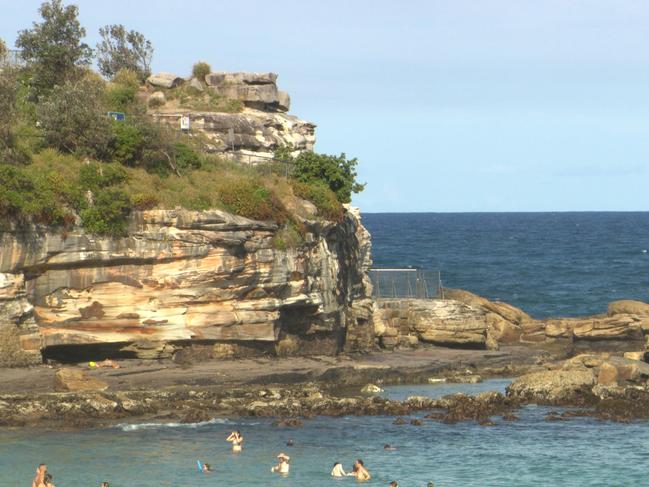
{"points": [[145, 426]]}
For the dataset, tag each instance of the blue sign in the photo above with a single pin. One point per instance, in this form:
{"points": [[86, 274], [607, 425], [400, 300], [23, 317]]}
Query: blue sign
{"points": [[118, 116]]}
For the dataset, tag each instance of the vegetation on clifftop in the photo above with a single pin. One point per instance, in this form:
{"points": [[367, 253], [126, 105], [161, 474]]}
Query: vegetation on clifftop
{"points": [[63, 161]]}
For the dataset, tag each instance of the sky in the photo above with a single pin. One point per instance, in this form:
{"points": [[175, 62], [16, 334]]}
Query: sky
{"points": [[449, 105]]}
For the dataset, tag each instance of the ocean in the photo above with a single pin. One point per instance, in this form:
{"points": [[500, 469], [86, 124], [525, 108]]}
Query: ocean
{"points": [[548, 264]]}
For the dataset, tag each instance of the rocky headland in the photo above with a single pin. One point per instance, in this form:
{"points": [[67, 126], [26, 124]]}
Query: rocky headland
{"points": [[208, 314]]}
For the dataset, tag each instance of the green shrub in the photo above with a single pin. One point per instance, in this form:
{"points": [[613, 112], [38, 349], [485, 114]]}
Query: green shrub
{"points": [[249, 198], [96, 176], [337, 172], [144, 201], [322, 197], [186, 158], [29, 197], [200, 70], [127, 144], [74, 118], [108, 215], [120, 98]]}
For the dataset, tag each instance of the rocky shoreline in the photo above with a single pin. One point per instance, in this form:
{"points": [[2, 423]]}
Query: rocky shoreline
{"points": [[598, 385]]}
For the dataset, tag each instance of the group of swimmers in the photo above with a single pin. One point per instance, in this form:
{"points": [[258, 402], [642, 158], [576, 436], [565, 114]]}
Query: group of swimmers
{"points": [[44, 479], [283, 466]]}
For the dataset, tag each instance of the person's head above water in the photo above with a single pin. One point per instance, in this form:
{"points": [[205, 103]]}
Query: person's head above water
{"points": [[47, 479], [105, 484], [394, 484], [430, 484], [360, 462], [289, 442]]}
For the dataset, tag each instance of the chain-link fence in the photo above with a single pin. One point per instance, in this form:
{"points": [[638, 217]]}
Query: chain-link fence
{"points": [[406, 283]]}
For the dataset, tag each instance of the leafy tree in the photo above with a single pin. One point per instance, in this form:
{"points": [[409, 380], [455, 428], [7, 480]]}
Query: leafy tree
{"points": [[121, 49], [3, 51], [8, 94], [337, 172], [53, 49], [74, 120]]}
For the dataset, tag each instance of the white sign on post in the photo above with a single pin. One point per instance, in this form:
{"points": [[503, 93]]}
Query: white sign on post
{"points": [[184, 122]]}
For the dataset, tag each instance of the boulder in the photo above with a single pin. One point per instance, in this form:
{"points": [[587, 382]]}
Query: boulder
{"points": [[196, 84], [74, 380], [371, 389], [553, 386], [628, 306], [283, 101], [165, 80]]}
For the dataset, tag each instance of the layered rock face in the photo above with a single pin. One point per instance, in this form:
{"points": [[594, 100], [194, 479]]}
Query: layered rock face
{"points": [[469, 321], [185, 278], [253, 135]]}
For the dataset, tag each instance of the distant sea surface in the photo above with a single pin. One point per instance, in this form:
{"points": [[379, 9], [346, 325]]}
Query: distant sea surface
{"points": [[548, 264]]}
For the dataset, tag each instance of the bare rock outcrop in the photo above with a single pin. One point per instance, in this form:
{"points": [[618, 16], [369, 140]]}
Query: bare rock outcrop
{"points": [[184, 277], [252, 135], [583, 379], [74, 380]]}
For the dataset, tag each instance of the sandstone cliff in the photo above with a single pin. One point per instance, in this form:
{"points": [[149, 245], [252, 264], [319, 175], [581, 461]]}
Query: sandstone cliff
{"points": [[250, 136], [184, 280]]}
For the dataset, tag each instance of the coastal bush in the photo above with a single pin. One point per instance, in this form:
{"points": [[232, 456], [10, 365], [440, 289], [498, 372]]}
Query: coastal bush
{"points": [[73, 118], [337, 172], [120, 98], [186, 157], [248, 197], [322, 197], [29, 197], [52, 49], [127, 143], [200, 70], [108, 214], [121, 49]]}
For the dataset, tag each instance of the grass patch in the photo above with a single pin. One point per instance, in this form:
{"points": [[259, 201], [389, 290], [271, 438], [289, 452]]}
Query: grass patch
{"points": [[206, 100]]}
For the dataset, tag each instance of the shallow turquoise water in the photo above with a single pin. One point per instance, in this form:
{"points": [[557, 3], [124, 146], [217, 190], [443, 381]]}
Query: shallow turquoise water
{"points": [[530, 452]]}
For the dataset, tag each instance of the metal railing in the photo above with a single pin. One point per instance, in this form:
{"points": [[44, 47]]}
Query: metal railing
{"points": [[406, 283]]}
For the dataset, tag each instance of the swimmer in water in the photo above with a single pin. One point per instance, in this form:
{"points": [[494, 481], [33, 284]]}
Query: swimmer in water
{"points": [[206, 468], [338, 471], [47, 481], [360, 472], [394, 484], [290, 442], [237, 440], [105, 484], [41, 470], [282, 467], [388, 447]]}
